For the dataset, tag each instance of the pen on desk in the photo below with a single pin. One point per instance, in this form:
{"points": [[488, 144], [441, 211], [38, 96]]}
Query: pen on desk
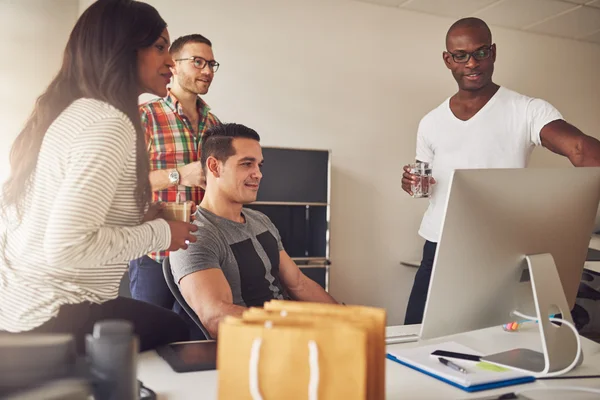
{"points": [[450, 364]]}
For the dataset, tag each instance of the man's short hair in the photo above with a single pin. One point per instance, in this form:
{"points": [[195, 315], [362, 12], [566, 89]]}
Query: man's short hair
{"points": [[178, 44], [217, 141]]}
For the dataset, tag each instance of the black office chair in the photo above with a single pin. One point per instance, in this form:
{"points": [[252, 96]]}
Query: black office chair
{"points": [[179, 297]]}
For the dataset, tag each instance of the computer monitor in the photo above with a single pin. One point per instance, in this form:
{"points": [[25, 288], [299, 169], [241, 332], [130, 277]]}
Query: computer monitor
{"points": [[493, 219]]}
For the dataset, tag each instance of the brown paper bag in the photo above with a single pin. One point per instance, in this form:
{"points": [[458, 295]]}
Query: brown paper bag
{"points": [[373, 319], [291, 360]]}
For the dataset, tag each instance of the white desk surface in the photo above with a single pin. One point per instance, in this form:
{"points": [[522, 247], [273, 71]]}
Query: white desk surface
{"points": [[401, 382], [595, 242], [592, 266]]}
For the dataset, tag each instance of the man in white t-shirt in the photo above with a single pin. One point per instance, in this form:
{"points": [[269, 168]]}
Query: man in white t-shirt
{"points": [[483, 125]]}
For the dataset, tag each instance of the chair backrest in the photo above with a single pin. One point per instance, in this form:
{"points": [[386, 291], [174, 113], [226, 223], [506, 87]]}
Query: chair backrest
{"points": [[179, 297]]}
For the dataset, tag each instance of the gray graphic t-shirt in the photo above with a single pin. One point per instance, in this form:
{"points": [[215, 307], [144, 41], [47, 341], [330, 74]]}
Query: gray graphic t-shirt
{"points": [[247, 253]]}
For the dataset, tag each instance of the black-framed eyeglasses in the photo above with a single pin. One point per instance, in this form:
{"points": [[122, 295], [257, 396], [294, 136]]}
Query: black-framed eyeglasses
{"points": [[200, 62], [479, 54]]}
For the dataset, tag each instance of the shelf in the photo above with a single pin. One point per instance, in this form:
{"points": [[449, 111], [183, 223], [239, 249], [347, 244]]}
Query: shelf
{"points": [[311, 261], [287, 203]]}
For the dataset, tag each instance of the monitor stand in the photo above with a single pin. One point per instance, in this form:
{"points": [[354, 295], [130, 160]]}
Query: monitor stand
{"points": [[559, 345]]}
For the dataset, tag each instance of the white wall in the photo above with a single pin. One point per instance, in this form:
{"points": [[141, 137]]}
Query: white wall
{"points": [[355, 78], [34, 34]]}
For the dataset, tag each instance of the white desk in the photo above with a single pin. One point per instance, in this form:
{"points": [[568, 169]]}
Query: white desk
{"points": [[592, 266], [401, 382]]}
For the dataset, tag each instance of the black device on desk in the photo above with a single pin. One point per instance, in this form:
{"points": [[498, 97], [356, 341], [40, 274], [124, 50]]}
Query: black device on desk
{"points": [[198, 355], [505, 396], [460, 356]]}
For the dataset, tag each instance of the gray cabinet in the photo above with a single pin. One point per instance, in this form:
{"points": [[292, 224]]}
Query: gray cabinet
{"points": [[294, 194]]}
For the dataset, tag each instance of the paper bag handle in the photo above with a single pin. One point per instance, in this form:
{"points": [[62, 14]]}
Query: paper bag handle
{"points": [[313, 364]]}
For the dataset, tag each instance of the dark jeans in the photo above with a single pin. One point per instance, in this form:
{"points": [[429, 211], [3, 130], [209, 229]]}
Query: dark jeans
{"points": [[147, 283], [418, 294], [155, 326]]}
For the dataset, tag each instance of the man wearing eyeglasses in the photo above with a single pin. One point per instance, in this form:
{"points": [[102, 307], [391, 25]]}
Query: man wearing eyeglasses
{"points": [[483, 125], [174, 126]]}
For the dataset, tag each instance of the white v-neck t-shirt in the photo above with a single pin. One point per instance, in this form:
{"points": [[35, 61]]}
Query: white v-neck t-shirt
{"points": [[501, 135]]}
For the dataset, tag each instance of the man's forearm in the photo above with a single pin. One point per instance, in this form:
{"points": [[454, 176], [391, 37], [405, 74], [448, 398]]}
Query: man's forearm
{"points": [[567, 140], [159, 179], [219, 312], [588, 153], [309, 290]]}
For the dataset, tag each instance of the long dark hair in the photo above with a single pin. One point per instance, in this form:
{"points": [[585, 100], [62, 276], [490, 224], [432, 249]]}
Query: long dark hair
{"points": [[100, 62]]}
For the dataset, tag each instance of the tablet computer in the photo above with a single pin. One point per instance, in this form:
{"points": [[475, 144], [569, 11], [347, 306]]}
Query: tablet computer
{"points": [[198, 355]]}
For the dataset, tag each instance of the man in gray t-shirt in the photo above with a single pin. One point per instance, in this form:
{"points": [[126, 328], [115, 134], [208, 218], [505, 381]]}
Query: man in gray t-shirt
{"points": [[247, 254], [238, 260]]}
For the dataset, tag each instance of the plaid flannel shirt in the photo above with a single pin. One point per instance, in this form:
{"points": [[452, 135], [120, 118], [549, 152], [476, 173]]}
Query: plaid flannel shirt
{"points": [[172, 143]]}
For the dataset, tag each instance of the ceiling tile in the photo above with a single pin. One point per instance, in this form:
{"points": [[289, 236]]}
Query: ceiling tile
{"points": [[594, 4], [393, 3], [522, 13], [593, 38], [574, 19], [455, 8], [576, 1], [580, 22]]}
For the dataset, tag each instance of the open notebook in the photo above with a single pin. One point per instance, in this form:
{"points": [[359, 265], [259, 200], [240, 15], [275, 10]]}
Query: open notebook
{"points": [[479, 376]]}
